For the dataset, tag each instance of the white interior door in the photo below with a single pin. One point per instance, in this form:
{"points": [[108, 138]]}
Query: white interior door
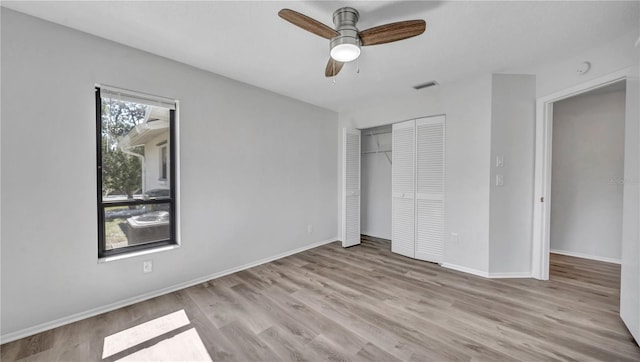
{"points": [[630, 273], [429, 239], [350, 187], [403, 188]]}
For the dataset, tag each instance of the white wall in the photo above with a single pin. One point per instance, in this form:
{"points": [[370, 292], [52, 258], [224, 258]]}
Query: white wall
{"points": [[587, 175], [375, 215], [560, 74], [256, 168], [467, 105], [555, 75], [511, 205], [467, 180]]}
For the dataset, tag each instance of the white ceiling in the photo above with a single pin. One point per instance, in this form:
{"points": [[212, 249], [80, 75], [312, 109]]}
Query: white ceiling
{"points": [[247, 41]]}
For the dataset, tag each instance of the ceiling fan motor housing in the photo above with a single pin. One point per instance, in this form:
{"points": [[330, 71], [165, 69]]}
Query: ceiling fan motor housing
{"points": [[345, 20]]}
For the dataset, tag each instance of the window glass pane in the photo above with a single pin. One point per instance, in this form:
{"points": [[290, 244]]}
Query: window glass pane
{"points": [[132, 135], [134, 225]]}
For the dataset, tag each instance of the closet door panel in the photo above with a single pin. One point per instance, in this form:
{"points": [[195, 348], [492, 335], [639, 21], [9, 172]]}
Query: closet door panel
{"points": [[403, 227], [403, 189], [429, 240], [351, 188], [429, 244]]}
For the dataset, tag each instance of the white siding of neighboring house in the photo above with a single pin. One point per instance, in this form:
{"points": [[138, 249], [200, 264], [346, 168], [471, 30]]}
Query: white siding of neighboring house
{"points": [[152, 163]]}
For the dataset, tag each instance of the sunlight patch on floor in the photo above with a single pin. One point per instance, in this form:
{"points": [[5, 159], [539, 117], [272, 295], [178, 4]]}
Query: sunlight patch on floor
{"points": [[186, 346], [133, 336]]}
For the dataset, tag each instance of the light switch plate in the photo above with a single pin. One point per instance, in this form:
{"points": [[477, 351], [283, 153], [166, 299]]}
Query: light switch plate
{"points": [[499, 180], [499, 161]]}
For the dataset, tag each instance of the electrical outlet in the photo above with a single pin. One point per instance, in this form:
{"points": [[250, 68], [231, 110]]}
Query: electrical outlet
{"points": [[309, 229], [147, 266]]}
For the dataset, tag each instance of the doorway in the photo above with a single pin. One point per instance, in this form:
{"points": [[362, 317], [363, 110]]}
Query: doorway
{"points": [[587, 173], [543, 168], [630, 265]]}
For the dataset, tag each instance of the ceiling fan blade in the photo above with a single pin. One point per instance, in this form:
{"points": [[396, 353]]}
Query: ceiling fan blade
{"points": [[333, 68], [307, 23], [392, 32]]}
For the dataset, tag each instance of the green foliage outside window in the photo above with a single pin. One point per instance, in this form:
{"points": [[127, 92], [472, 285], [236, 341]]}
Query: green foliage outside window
{"points": [[121, 172]]}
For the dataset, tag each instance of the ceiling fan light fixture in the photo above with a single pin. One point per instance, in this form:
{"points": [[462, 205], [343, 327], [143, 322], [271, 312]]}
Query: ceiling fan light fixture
{"points": [[346, 46], [345, 52]]}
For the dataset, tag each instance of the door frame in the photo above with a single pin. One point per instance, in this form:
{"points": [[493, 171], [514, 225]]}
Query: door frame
{"points": [[542, 169]]}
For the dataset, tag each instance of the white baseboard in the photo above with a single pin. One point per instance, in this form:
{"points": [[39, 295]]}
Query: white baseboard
{"points": [[26, 332], [510, 275], [464, 269], [586, 256], [484, 274]]}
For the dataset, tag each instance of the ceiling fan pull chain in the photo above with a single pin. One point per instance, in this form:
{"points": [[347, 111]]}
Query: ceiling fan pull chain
{"points": [[334, 73], [358, 65]]}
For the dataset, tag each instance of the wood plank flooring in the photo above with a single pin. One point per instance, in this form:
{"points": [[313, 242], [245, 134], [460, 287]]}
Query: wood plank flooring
{"points": [[366, 304]]}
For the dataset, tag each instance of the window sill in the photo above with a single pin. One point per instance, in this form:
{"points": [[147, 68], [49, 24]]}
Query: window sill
{"points": [[132, 254]]}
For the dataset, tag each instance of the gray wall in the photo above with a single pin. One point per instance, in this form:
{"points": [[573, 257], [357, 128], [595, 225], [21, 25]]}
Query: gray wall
{"points": [[511, 205], [587, 174], [256, 169], [375, 219]]}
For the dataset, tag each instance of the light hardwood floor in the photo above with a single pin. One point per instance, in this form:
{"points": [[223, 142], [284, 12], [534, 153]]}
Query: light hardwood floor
{"points": [[364, 303]]}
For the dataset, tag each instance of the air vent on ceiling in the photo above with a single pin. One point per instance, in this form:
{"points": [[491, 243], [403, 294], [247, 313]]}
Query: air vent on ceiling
{"points": [[425, 85]]}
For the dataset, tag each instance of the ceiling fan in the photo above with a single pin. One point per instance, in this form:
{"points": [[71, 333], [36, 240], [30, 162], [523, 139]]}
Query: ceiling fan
{"points": [[346, 39]]}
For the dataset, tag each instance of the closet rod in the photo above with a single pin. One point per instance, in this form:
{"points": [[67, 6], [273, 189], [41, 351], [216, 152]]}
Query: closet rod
{"points": [[379, 151]]}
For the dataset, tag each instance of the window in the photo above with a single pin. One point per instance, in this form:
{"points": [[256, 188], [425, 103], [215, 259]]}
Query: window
{"points": [[163, 163], [135, 141]]}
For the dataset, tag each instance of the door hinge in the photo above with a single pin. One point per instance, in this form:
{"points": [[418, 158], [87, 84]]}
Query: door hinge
{"points": [[542, 199]]}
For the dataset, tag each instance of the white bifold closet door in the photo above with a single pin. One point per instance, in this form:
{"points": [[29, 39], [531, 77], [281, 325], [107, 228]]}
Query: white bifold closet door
{"points": [[350, 187], [403, 188], [418, 189], [430, 189]]}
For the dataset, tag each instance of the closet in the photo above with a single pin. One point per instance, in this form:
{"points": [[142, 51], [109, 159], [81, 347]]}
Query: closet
{"points": [[417, 226], [376, 182], [393, 186]]}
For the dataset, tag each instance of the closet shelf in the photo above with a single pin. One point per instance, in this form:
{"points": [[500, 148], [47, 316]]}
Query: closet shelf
{"points": [[376, 133]]}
